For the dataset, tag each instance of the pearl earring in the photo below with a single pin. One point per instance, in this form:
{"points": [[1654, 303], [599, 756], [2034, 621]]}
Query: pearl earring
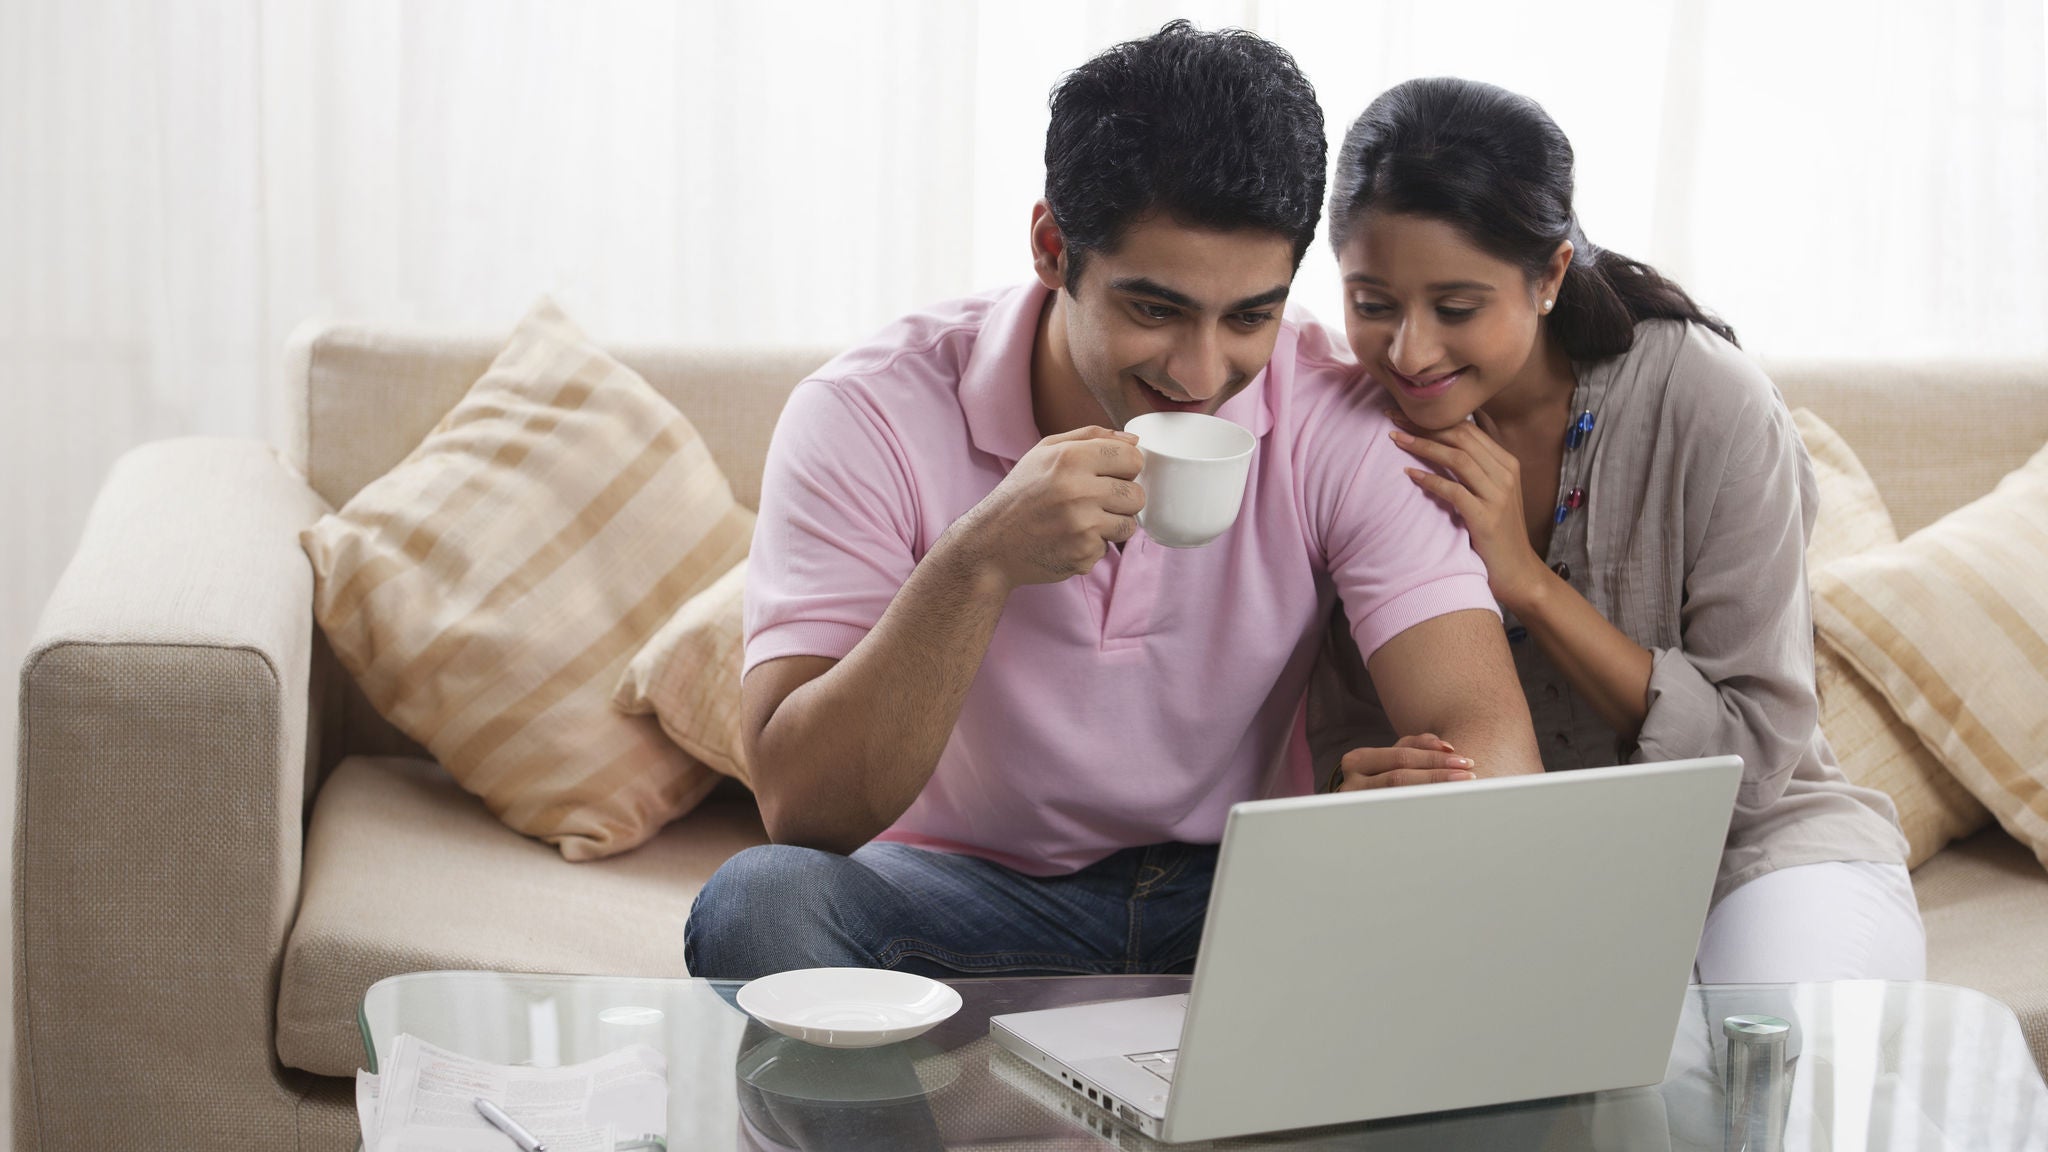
{"points": [[1546, 306]]}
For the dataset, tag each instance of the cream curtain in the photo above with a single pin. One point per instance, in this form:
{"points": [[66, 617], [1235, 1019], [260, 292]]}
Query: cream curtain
{"points": [[182, 182]]}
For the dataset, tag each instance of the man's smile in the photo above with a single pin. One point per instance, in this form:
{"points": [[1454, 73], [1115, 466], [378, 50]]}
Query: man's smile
{"points": [[1163, 401]]}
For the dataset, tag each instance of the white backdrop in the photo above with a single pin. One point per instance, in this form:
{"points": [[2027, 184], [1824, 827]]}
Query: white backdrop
{"points": [[182, 182]]}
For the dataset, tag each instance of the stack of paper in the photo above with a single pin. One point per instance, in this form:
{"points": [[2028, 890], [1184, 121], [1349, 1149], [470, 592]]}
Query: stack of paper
{"points": [[425, 1101]]}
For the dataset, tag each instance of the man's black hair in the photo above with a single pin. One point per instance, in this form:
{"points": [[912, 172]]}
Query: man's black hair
{"points": [[1210, 129]]}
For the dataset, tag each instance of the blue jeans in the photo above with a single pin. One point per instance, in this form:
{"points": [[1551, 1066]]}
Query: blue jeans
{"points": [[777, 907]]}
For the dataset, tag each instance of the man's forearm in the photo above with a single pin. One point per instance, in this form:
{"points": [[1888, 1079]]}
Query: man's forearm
{"points": [[1497, 745], [845, 754], [1453, 675]]}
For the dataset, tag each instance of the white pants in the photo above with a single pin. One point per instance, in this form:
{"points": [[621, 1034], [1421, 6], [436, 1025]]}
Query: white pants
{"points": [[1834, 921]]}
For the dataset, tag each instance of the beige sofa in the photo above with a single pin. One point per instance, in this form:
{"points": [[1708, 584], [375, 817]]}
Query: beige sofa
{"points": [[220, 846]]}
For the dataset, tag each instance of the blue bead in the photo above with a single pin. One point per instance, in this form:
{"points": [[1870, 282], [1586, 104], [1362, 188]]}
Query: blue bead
{"points": [[1562, 512], [1517, 634], [1579, 430]]}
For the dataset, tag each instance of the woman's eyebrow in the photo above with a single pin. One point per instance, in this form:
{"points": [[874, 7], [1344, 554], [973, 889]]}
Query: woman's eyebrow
{"points": [[1439, 286]]}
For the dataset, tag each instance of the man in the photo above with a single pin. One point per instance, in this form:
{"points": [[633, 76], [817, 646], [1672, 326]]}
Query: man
{"points": [[994, 727]]}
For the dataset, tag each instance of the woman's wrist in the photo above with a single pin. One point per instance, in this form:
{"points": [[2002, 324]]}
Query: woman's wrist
{"points": [[1526, 593]]}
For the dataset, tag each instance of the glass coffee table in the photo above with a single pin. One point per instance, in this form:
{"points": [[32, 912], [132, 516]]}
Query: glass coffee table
{"points": [[1873, 1065]]}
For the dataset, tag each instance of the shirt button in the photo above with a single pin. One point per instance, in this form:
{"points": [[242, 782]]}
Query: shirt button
{"points": [[1550, 690], [1517, 634], [1563, 741]]}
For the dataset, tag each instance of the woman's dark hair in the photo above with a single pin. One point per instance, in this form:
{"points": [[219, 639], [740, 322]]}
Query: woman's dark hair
{"points": [[1496, 167], [1212, 129]]}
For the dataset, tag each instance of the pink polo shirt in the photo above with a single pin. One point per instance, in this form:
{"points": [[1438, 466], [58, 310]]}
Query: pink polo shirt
{"points": [[1137, 703]]}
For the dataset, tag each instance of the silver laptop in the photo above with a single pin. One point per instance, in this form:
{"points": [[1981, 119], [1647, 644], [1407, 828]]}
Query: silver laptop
{"points": [[1414, 950]]}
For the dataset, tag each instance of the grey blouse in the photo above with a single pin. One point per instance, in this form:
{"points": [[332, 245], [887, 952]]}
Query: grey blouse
{"points": [[1690, 536]]}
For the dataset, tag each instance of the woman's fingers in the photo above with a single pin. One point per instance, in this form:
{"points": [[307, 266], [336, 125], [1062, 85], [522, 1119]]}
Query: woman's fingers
{"points": [[1402, 778], [1484, 443], [1428, 740], [1478, 442], [1456, 461], [1468, 455], [1424, 759], [1459, 497]]}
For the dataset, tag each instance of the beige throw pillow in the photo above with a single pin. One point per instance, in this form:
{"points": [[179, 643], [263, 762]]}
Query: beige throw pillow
{"points": [[488, 590], [1852, 516], [1951, 625], [688, 676], [1875, 748]]}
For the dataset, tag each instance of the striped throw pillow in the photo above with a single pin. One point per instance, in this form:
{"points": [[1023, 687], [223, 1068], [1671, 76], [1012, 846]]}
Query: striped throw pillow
{"points": [[487, 592], [1875, 748], [688, 676], [1951, 625]]}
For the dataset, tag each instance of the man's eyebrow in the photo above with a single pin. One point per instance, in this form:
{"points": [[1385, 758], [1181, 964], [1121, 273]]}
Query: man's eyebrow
{"points": [[1145, 286], [1268, 297], [1439, 286]]}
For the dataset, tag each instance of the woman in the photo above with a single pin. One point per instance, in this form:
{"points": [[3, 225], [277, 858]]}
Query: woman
{"points": [[1641, 500]]}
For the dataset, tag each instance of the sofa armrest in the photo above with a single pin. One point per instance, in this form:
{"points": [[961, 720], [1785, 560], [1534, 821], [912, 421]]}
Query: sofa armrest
{"points": [[162, 771]]}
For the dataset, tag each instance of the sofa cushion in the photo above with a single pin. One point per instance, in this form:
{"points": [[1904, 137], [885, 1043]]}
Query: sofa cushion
{"points": [[1985, 904], [1934, 434], [406, 872], [1878, 750], [1852, 517], [1951, 624], [688, 676], [359, 397], [487, 592], [1874, 746]]}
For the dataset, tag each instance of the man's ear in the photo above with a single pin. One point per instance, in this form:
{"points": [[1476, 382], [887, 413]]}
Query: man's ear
{"points": [[1048, 248]]}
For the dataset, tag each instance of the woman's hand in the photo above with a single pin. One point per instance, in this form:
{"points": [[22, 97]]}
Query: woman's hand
{"points": [[1484, 487], [1424, 759]]}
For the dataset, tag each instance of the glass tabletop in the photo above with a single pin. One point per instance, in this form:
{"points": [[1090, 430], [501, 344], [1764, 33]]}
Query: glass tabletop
{"points": [[1874, 1066]]}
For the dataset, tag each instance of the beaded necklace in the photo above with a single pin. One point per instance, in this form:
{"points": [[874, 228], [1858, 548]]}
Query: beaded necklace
{"points": [[1574, 481]]}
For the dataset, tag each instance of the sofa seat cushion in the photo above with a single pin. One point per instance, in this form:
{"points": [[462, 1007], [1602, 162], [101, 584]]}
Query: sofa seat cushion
{"points": [[1985, 903], [406, 872]]}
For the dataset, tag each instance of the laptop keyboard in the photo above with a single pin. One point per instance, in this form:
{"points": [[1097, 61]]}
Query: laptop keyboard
{"points": [[1160, 1064]]}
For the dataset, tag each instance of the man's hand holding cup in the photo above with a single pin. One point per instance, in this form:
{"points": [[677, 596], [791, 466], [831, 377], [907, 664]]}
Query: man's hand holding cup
{"points": [[1060, 508]]}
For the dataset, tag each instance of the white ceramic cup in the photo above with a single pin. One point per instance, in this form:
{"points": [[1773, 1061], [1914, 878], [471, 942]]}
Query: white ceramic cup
{"points": [[1193, 476]]}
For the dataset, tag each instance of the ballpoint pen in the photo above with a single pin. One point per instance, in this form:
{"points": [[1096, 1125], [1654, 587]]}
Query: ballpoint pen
{"points": [[509, 1126]]}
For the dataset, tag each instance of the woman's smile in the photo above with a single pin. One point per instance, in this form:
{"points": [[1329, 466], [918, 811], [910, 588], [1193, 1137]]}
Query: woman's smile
{"points": [[1422, 387]]}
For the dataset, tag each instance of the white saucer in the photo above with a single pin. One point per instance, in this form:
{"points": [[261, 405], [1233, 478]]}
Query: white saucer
{"points": [[848, 1007]]}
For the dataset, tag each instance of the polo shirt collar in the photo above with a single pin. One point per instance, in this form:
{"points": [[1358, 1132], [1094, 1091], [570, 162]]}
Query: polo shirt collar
{"points": [[995, 386]]}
